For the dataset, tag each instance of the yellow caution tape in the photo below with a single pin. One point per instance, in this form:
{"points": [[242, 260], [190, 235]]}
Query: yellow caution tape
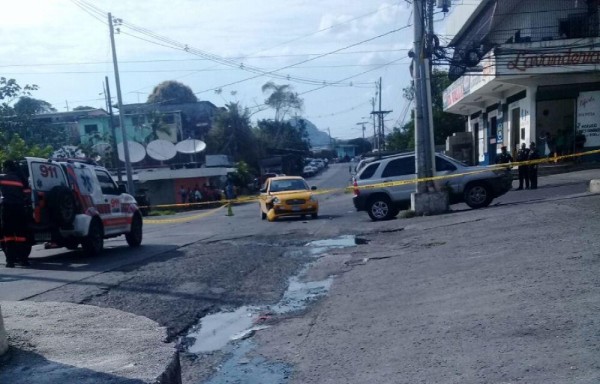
{"points": [[248, 199]]}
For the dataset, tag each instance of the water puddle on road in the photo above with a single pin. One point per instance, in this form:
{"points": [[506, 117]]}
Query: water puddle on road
{"points": [[218, 329], [318, 247], [300, 294], [215, 331]]}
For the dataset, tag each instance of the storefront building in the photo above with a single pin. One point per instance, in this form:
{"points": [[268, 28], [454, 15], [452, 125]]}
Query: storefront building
{"points": [[528, 72]]}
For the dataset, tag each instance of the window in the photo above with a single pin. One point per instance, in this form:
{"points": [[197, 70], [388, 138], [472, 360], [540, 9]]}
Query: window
{"points": [[107, 184], [400, 167], [443, 165], [90, 128], [577, 26], [369, 171]]}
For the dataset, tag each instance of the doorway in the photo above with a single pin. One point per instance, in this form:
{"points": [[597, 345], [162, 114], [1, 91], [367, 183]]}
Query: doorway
{"points": [[493, 139], [515, 129]]}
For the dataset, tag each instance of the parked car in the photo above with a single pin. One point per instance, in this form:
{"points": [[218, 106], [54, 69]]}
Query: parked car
{"points": [[309, 171], [77, 202], [287, 196], [476, 186]]}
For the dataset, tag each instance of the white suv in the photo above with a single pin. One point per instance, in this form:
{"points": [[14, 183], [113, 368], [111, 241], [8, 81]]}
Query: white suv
{"points": [[476, 186], [77, 202]]}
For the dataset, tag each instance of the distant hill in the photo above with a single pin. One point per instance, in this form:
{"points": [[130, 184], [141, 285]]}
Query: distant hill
{"points": [[317, 138]]}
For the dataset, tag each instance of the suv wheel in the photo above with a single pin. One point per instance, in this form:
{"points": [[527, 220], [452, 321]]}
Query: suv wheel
{"points": [[93, 243], [134, 236], [478, 195], [380, 208], [62, 205]]}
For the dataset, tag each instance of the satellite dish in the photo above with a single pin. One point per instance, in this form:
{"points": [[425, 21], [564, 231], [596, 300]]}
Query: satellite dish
{"points": [[161, 150], [68, 152], [101, 148], [190, 146], [137, 152]]}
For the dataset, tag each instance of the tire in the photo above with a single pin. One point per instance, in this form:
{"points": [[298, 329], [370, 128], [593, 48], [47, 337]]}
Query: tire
{"points": [[263, 215], [134, 236], [93, 243], [61, 204], [314, 215], [380, 208], [17, 251], [478, 195]]}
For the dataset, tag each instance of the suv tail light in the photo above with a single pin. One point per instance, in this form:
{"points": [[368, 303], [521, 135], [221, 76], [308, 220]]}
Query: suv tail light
{"points": [[356, 190]]}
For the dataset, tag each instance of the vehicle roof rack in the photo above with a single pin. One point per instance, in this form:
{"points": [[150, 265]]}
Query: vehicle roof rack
{"points": [[75, 160]]}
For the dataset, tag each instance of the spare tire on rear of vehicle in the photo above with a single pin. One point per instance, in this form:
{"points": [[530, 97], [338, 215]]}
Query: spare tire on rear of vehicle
{"points": [[61, 204]]}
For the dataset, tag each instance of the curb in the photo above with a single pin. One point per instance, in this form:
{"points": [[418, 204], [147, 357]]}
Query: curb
{"points": [[595, 186], [3, 339]]}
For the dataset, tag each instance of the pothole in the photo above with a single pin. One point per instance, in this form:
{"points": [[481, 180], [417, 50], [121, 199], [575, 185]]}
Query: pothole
{"points": [[213, 332]]}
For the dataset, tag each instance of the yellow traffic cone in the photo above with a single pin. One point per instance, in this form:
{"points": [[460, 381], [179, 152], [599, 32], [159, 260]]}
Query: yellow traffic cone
{"points": [[229, 210]]}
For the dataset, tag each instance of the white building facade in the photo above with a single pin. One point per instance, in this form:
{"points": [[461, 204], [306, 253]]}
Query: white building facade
{"points": [[526, 71]]}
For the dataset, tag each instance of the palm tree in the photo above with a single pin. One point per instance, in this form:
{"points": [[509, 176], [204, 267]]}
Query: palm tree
{"points": [[282, 99]]}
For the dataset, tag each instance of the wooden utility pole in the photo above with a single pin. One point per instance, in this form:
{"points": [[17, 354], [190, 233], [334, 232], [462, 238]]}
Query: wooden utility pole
{"points": [[380, 118], [113, 137], [130, 186]]}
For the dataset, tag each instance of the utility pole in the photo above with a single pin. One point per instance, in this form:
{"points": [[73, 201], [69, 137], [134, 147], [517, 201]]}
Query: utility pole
{"points": [[130, 187], [113, 144], [380, 117], [375, 137], [425, 200], [362, 123]]}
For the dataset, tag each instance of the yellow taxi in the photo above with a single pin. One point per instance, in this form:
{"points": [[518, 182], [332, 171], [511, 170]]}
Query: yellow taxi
{"points": [[287, 196]]}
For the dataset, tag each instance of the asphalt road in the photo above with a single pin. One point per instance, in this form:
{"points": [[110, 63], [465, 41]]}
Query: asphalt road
{"points": [[201, 262]]}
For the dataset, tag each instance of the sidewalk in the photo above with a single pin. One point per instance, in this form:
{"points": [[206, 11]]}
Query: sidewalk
{"points": [[81, 344], [500, 295]]}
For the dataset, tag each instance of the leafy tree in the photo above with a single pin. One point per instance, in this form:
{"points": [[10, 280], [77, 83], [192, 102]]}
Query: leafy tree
{"points": [[83, 108], [402, 139], [9, 90], [157, 126], [29, 106], [232, 135], [13, 127], [282, 99], [444, 124], [15, 148], [282, 138], [172, 92]]}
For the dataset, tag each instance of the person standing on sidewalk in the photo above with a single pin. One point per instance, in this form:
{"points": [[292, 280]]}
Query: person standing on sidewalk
{"points": [[533, 168], [14, 215], [523, 155], [504, 157]]}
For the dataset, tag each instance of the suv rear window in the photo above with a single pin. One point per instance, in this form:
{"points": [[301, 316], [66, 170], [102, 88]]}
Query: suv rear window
{"points": [[369, 171], [400, 167]]}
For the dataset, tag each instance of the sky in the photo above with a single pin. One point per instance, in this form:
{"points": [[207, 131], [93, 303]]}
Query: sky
{"points": [[332, 52]]}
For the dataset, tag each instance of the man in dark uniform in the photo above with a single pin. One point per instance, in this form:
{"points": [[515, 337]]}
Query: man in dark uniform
{"points": [[523, 155], [14, 214], [533, 168], [504, 157]]}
